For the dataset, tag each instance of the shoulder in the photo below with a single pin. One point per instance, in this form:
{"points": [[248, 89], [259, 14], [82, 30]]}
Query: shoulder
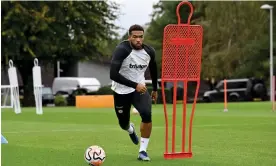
{"points": [[124, 46], [149, 49], [121, 51]]}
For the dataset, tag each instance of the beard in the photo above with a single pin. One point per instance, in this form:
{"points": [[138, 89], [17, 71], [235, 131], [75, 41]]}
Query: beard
{"points": [[135, 46]]}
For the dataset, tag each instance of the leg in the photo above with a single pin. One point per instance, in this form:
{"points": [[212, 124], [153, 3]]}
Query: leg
{"points": [[142, 102], [122, 108]]}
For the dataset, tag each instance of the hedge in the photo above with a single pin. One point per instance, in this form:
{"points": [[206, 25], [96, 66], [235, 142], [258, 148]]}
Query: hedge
{"points": [[60, 101], [168, 95], [106, 90]]}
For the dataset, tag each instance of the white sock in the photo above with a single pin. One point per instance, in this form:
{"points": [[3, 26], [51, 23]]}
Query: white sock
{"points": [[130, 129], [144, 144]]}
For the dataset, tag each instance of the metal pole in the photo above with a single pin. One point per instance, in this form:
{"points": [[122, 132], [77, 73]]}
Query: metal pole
{"points": [[271, 56], [58, 69]]}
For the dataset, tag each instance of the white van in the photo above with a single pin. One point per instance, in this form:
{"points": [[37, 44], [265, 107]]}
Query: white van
{"points": [[71, 83]]}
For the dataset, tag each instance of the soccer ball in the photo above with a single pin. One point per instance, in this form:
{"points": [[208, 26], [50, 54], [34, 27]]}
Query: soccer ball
{"points": [[94, 155]]}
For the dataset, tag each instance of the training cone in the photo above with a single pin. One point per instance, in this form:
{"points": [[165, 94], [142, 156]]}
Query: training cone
{"points": [[3, 140]]}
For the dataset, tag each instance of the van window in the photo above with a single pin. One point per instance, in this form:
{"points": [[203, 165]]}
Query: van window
{"points": [[220, 85], [47, 90], [236, 85], [171, 84]]}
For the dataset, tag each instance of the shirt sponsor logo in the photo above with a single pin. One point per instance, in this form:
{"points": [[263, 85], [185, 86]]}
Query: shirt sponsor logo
{"points": [[135, 66]]}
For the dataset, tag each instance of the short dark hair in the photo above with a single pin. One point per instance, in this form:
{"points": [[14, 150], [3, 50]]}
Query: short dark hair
{"points": [[135, 27]]}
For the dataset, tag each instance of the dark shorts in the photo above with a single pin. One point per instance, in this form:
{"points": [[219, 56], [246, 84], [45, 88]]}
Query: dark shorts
{"points": [[142, 102]]}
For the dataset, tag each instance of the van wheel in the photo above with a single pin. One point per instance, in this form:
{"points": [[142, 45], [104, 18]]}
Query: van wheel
{"points": [[259, 90], [207, 100], [233, 98]]}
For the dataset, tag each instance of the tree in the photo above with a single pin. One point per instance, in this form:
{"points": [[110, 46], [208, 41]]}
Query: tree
{"points": [[231, 39], [64, 30], [164, 14], [235, 40]]}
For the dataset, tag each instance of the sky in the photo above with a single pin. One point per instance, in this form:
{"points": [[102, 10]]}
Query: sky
{"points": [[134, 12]]}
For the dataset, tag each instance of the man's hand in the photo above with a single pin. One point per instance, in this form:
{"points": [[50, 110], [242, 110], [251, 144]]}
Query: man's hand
{"points": [[141, 88], [154, 96]]}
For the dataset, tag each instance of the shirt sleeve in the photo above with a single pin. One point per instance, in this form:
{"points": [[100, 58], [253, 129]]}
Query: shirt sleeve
{"points": [[118, 57], [153, 69]]}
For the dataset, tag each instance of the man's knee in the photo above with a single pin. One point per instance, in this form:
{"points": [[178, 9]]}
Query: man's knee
{"points": [[124, 124], [146, 116]]}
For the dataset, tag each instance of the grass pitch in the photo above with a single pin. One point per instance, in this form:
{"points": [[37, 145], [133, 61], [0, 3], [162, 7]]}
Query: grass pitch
{"points": [[246, 135]]}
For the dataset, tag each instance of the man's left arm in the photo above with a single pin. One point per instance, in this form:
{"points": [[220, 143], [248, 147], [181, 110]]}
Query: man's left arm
{"points": [[153, 70]]}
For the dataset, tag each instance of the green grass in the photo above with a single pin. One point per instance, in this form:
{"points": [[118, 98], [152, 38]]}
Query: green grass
{"points": [[246, 135]]}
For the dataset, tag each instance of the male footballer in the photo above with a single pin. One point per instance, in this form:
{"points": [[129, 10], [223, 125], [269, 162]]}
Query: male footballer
{"points": [[130, 60]]}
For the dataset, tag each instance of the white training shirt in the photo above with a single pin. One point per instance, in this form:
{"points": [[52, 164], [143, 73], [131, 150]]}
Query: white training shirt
{"points": [[131, 65]]}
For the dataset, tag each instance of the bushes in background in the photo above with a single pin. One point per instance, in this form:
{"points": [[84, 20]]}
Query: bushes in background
{"points": [[106, 90], [168, 95], [60, 101]]}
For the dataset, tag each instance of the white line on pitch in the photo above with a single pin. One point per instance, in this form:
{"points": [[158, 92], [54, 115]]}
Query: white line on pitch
{"points": [[117, 128]]}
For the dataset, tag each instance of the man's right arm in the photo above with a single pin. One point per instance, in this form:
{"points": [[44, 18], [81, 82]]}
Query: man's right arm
{"points": [[118, 57]]}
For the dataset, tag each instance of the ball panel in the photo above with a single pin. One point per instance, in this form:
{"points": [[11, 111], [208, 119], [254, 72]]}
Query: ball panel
{"points": [[87, 156], [95, 155]]}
